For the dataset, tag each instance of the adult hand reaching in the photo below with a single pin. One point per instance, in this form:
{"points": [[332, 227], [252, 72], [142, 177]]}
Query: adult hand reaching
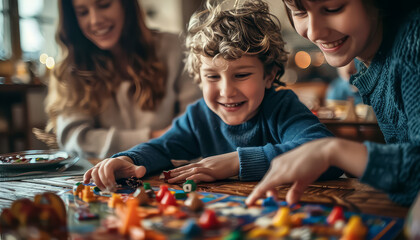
{"points": [[305, 164], [107, 171]]}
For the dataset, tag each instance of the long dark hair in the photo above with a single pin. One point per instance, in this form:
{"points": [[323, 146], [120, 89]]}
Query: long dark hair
{"points": [[87, 76]]}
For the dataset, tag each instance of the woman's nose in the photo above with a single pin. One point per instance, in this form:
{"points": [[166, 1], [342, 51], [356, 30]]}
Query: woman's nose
{"points": [[94, 17], [316, 28]]}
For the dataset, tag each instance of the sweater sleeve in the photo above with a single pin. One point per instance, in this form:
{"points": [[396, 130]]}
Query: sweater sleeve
{"points": [[179, 143], [291, 124], [79, 134], [395, 168]]}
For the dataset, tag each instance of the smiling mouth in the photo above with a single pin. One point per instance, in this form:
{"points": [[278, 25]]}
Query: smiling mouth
{"points": [[333, 44], [231, 105], [102, 32]]}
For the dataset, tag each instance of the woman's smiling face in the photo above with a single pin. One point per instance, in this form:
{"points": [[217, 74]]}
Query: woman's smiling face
{"points": [[101, 21], [342, 29]]}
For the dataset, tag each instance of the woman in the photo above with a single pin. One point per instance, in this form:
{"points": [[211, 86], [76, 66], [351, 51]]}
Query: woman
{"points": [[118, 83], [385, 38]]}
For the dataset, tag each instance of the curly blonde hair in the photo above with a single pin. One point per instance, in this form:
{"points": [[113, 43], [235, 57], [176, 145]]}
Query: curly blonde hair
{"points": [[87, 76], [248, 28]]}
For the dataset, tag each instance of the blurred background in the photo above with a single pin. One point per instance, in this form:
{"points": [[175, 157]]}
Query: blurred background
{"points": [[28, 52]]}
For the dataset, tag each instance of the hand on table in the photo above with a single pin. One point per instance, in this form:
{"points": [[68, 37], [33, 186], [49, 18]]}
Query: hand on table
{"points": [[105, 172], [209, 169]]}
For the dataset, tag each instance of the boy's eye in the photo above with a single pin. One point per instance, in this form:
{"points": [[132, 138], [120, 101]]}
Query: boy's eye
{"points": [[242, 75], [212, 78]]}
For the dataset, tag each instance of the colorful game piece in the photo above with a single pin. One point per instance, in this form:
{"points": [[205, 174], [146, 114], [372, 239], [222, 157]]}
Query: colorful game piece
{"points": [[142, 196], [180, 195], [131, 216], [77, 188], [166, 175], [282, 217], [87, 195], [84, 214], [159, 195], [146, 186], [235, 235], [269, 202], [193, 202], [335, 214], [208, 220], [168, 200], [191, 228], [355, 229], [114, 200], [189, 186]]}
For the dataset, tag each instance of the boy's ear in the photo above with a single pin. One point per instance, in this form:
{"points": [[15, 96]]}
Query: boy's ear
{"points": [[269, 78]]}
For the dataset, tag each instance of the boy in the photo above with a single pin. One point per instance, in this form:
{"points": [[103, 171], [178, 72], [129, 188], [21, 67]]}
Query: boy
{"points": [[242, 122]]}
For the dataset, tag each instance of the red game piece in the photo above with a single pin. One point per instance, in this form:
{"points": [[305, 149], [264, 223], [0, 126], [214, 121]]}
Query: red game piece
{"points": [[168, 200], [335, 214], [163, 189], [167, 175], [208, 220]]}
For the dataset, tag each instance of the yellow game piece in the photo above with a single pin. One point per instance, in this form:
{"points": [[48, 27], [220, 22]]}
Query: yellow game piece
{"points": [[77, 190], [281, 232], [355, 229], [282, 217], [87, 195], [260, 232], [114, 200]]}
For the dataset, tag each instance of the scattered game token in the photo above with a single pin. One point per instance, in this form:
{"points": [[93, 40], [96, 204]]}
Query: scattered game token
{"points": [[208, 220], [191, 228], [269, 202], [166, 175], [189, 186], [193, 202], [146, 185], [142, 196], [180, 195], [159, 195]]}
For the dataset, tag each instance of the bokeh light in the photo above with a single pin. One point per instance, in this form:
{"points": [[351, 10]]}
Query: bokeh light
{"points": [[302, 59]]}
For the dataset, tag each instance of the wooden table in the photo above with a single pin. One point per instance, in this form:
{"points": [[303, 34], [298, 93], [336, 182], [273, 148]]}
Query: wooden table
{"points": [[349, 192]]}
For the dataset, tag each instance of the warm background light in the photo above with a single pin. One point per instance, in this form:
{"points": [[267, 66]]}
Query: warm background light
{"points": [[302, 59], [50, 63], [43, 58]]}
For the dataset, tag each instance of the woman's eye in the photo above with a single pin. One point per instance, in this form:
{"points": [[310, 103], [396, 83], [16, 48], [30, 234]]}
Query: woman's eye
{"points": [[298, 13], [81, 13], [333, 10], [104, 5]]}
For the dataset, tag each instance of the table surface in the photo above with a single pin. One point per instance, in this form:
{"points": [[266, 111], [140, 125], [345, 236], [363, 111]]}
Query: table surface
{"points": [[348, 192]]}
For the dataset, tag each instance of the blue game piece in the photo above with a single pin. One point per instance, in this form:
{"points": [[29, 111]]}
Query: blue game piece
{"points": [[191, 228], [269, 202]]}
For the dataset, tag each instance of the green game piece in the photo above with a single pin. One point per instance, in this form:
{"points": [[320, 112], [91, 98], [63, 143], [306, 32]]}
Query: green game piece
{"points": [[189, 186], [146, 185], [235, 235], [180, 195], [96, 189]]}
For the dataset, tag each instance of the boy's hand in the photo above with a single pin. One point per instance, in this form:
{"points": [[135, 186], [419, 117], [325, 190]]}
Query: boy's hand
{"points": [[105, 172], [209, 169]]}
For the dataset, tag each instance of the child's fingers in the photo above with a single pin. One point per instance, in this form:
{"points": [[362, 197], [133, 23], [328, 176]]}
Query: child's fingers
{"points": [[295, 192], [261, 189], [96, 178], [201, 177], [272, 193], [140, 171], [87, 176]]}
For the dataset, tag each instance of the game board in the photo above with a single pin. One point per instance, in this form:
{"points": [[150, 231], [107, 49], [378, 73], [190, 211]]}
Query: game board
{"points": [[232, 219]]}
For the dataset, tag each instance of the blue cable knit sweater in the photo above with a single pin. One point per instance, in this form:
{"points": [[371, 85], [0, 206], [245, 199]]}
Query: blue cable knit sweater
{"points": [[281, 124], [391, 85]]}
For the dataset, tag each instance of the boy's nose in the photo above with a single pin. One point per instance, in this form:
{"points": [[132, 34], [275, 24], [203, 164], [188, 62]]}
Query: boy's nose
{"points": [[227, 89]]}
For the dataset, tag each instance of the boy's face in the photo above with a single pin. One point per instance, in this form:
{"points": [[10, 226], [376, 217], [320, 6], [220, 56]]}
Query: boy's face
{"points": [[342, 29], [235, 89]]}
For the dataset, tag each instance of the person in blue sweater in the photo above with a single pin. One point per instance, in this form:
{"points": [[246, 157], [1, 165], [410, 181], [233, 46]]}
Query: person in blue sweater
{"points": [[237, 56], [388, 45]]}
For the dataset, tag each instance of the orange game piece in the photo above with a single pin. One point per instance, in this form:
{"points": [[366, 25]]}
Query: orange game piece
{"points": [[131, 219], [87, 195], [355, 229], [114, 200]]}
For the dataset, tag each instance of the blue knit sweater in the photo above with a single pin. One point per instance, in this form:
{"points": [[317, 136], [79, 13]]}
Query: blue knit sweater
{"points": [[281, 124], [391, 85]]}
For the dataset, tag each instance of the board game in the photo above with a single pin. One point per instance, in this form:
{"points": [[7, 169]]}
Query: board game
{"points": [[159, 212]]}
